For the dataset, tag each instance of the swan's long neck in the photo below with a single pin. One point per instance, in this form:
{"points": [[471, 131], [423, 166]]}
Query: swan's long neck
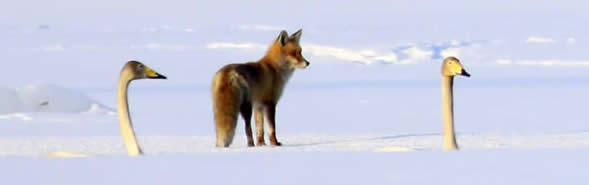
{"points": [[127, 131], [448, 113]]}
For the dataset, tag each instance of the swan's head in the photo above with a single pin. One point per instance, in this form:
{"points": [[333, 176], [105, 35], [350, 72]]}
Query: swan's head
{"points": [[453, 67], [136, 70]]}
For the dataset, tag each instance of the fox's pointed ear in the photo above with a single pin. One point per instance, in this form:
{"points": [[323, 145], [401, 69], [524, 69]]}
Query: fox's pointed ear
{"points": [[282, 38], [297, 35]]}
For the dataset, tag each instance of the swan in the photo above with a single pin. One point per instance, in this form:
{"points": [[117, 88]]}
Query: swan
{"points": [[450, 67], [133, 70]]}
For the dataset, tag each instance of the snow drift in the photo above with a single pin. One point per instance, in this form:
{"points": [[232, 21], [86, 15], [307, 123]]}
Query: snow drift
{"points": [[47, 98]]}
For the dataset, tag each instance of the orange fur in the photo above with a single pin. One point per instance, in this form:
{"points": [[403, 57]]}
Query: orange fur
{"points": [[257, 86]]}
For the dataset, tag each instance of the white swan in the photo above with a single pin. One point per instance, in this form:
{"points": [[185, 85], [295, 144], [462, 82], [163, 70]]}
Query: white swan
{"points": [[450, 68], [133, 70]]}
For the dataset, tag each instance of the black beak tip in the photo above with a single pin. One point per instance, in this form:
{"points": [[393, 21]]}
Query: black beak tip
{"points": [[464, 73], [160, 76]]}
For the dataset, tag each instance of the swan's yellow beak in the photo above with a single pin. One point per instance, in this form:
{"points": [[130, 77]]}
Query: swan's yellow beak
{"points": [[152, 74], [458, 69]]}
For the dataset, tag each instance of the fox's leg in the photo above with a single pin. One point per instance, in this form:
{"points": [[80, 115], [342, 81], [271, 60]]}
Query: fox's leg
{"points": [[259, 115], [246, 113], [271, 115]]}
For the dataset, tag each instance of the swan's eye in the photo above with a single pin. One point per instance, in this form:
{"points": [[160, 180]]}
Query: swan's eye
{"points": [[140, 66]]}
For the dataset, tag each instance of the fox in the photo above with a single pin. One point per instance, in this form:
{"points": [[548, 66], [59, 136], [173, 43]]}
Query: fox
{"points": [[255, 87]]}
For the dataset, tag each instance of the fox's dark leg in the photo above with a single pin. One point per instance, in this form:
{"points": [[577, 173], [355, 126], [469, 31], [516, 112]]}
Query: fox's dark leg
{"points": [[259, 115], [246, 113], [271, 115]]}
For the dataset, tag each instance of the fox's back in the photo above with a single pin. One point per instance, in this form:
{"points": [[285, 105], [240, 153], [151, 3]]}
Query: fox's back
{"points": [[254, 79]]}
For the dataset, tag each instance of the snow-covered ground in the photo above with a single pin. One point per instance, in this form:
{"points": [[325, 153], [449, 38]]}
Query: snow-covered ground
{"points": [[385, 135], [366, 111], [562, 166], [105, 146]]}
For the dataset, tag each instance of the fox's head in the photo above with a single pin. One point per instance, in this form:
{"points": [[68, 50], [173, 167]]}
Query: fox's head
{"points": [[290, 50], [452, 67]]}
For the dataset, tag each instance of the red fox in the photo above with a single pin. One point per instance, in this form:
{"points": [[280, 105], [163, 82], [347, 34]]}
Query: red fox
{"points": [[257, 86]]}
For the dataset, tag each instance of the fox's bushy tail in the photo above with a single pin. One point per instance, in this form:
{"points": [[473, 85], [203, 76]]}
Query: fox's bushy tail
{"points": [[226, 102]]}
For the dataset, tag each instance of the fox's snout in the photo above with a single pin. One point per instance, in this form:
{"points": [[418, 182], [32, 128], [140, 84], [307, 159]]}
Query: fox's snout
{"points": [[307, 63], [297, 62], [301, 64]]}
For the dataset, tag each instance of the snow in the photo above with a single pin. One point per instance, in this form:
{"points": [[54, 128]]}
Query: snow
{"points": [[545, 63], [366, 111], [17, 116], [104, 146], [539, 40], [10, 101], [468, 167], [404, 54], [260, 27], [46, 98]]}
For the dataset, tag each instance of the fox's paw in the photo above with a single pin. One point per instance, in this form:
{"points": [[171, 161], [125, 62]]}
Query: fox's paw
{"points": [[276, 143], [262, 143], [250, 144]]}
